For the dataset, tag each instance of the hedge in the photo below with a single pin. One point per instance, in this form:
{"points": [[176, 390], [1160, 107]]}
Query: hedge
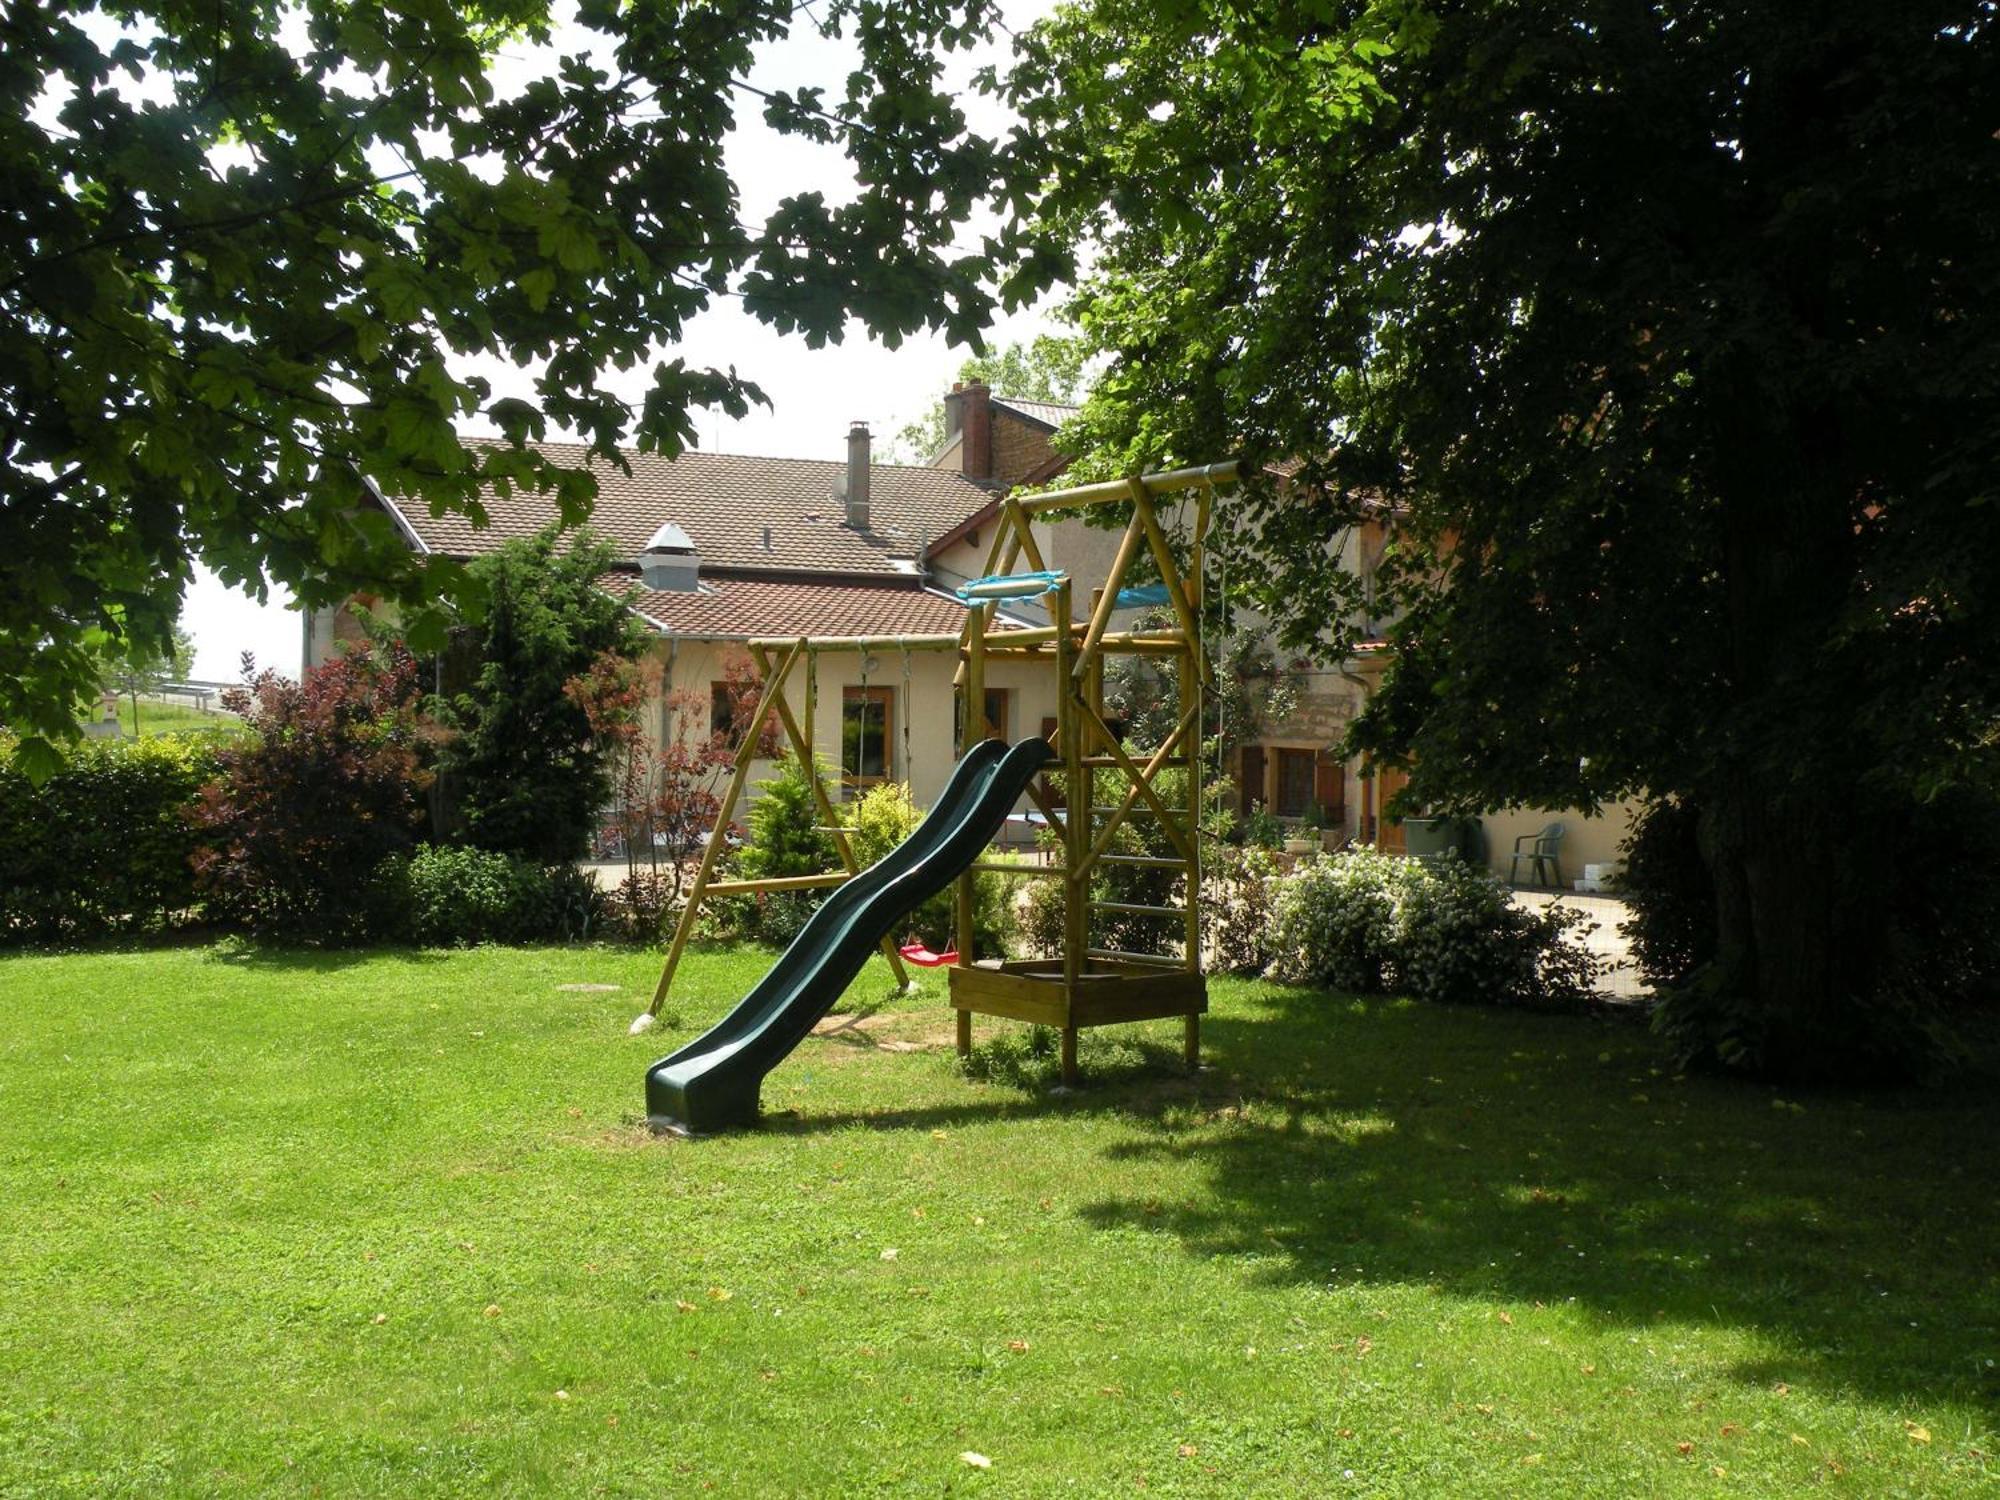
{"points": [[102, 846]]}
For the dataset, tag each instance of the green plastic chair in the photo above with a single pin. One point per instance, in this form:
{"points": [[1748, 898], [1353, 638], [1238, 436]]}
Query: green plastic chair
{"points": [[1541, 854]]}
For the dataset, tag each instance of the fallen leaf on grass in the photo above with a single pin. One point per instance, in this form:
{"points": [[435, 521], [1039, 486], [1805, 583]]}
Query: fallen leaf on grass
{"points": [[720, 1293], [890, 1253], [1801, 1442], [975, 1460], [1917, 1434], [1017, 1346], [381, 1318], [1187, 1450], [492, 1309], [562, 1395], [1683, 1448], [1507, 1318], [683, 1306], [1532, 1458]]}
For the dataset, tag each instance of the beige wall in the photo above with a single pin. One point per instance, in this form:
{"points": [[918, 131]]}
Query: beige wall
{"points": [[1585, 841], [925, 704]]}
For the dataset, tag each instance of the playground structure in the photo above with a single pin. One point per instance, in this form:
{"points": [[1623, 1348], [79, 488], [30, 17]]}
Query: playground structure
{"points": [[1087, 985]]}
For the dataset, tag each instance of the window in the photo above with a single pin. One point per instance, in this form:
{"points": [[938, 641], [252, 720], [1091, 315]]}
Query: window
{"points": [[996, 717], [722, 714], [1295, 783], [731, 706], [867, 717]]}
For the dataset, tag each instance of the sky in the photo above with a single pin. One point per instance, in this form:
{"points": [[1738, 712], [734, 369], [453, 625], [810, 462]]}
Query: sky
{"points": [[815, 394]]}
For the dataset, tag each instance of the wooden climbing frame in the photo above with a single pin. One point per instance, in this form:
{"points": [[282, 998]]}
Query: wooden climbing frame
{"points": [[1086, 986]]}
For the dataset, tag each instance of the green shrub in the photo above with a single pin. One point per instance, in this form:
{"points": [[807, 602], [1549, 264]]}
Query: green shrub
{"points": [[104, 844], [1669, 893], [1239, 889], [1438, 930], [881, 820], [1334, 920], [307, 804], [531, 694], [1262, 830], [784, 823], [1460, 938], [448, 896], [443, 896]]}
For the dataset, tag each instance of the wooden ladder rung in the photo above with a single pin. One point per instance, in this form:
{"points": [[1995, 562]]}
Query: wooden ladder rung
{"points": [[1149, 861], [1138, 909]]}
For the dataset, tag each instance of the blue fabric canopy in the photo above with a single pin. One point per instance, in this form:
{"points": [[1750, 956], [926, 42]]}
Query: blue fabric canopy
{"points": [[1146, 595]]}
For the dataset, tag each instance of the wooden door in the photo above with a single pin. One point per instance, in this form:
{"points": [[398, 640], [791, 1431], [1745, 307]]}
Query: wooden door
{"points": [[1389, 830], [1250, 791]]}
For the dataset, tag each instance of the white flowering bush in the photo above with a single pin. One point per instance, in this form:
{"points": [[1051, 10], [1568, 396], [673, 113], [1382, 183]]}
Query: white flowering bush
{"points": [[1238, 890], [1460, 938], [1334, 920], [1440, 930]]}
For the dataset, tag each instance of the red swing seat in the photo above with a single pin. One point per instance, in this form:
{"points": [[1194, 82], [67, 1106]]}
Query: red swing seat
{"points": [[922, 956]]}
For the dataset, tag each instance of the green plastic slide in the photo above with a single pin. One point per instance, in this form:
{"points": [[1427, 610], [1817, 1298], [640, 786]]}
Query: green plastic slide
{"points": [[713, 1082]]}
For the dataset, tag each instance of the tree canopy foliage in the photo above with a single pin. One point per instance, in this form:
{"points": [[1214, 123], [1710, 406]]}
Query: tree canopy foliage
{"points": [[251, 246], [1668, 333]]}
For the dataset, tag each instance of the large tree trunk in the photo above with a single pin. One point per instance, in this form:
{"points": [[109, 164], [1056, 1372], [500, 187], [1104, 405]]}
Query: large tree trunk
{"points": [[1799, 947]]}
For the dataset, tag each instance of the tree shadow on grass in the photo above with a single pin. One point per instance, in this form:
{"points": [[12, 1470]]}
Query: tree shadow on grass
{"points": [[1552, 1159], [251, 955]]}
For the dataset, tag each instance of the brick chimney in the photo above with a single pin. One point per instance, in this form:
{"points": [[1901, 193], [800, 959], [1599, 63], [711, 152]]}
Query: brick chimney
{"points": [[858, 460], [975, 417]]}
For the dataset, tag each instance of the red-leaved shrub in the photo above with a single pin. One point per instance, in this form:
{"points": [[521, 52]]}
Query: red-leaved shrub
{"points": [[305, 807]]}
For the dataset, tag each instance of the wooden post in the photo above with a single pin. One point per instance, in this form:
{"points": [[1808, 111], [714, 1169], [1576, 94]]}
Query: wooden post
{"points": [[1142, 507], [1076, 821], [972, 729], [1107, 600], [825, 805], [1191, 686], [773, 693]]}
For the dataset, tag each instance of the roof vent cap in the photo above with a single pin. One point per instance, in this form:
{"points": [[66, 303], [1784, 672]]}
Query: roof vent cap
{"points": [[670, 564]]}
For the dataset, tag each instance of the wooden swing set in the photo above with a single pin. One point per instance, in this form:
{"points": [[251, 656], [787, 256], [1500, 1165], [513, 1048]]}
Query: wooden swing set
{"points": [[1087, 985]]}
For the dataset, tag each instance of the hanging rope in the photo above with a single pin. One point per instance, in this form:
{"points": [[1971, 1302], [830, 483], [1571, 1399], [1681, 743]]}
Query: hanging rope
{"points": [[1228, 635], [860, 725], [909, 771]]}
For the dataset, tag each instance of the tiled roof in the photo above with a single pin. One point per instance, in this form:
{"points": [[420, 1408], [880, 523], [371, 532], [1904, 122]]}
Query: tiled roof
{"points": [[771, 606], [1051, 414], [724, 501]]}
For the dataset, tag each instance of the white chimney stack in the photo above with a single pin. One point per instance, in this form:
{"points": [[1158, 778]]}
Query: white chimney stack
{"points": [[858, 460]]}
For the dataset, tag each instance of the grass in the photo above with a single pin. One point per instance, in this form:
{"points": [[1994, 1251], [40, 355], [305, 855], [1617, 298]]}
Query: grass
{"points": [[171, 716], [389, 1224]]}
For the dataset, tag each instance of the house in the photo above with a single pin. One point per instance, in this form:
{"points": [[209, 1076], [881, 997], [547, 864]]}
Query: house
{"points": [[724, 548], [719, 549], [1290, 768]]}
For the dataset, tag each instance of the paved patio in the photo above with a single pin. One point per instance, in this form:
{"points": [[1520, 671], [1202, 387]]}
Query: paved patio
{"points": [[1621, 981]]}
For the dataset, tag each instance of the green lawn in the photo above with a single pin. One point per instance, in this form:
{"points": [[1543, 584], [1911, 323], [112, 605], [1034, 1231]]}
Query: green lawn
{"points": [[173, 716], [389, 1224]]}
